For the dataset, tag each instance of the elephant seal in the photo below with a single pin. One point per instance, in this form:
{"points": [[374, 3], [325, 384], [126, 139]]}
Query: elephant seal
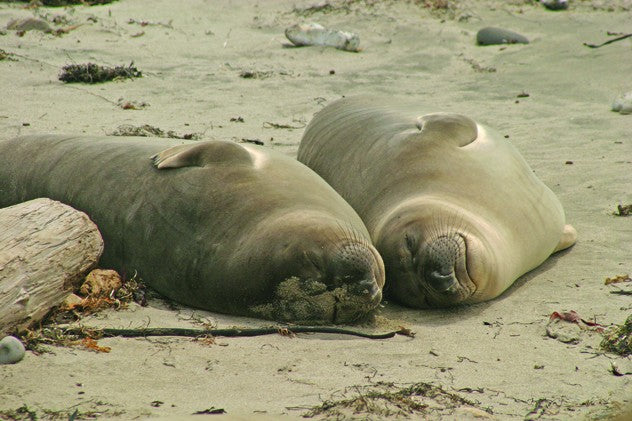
{"points": [[452, 207], [226, 227]]}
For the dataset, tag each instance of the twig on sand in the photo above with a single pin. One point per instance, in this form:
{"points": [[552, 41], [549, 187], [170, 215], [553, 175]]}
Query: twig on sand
{"points": [[235, 332], [608, 42]]}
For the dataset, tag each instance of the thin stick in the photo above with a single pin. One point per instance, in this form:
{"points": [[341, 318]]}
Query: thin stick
{"points": [[159, 331], [608, 42]]}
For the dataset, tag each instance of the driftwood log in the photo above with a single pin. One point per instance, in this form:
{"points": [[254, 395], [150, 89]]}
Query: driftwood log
{"points": [[46, 248]]}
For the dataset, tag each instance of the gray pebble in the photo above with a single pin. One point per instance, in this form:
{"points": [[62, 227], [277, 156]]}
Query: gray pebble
{"points": [[623, 103], [495, 36], [11, 350]]}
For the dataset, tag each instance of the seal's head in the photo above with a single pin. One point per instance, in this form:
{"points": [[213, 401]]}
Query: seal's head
{"points": [[434, 259], [318, 271]]}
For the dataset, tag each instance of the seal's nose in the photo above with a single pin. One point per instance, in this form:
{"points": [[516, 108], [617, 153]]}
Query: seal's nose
{"points": [[367, 289], [442, 280]]}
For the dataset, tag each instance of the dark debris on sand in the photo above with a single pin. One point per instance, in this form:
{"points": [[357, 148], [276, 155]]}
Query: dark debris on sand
{"points": [[93, 73], [60, 3], [619, 338], [623, 210]]}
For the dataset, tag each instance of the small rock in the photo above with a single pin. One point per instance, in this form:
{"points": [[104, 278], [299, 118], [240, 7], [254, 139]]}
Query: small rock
{"points": [[623, 103], [555, 4], [316, 34], [29, 24], [495, 36], [11, 350]]}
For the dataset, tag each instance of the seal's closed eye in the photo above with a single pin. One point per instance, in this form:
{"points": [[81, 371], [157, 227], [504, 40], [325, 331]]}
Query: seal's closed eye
{"points": [[201, 154]]}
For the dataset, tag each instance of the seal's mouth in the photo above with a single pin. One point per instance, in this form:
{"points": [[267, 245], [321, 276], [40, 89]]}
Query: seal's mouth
{"points": [[344, 287]]}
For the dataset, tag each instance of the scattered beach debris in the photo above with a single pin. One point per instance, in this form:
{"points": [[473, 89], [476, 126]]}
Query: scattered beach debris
{"points": [[622, 284], [322, 7], [253, 141], [149, 131], [617, 279], [210, 411], [623, 103], [567, 326], [238, 119], [144, 23], [477, 66], [94, 73], [6, 56], [389, 400], [555, 4], [622, 37], [11, 350], [61, 3], [255, 74], [495, 36], [315, 34], [269, 125], [92, 345], [523, 94], [618, 339], [131, 105], [102, 288], [101, 283], [623, 210]]}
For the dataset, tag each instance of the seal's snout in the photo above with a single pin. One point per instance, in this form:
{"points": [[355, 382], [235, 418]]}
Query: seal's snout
{"points": [[368, 290], [441, 282], [442, 258], [361, 268]]}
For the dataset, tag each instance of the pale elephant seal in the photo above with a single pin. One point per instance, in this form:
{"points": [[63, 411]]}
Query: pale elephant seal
{"points": [[237, 229], [452, 207]]}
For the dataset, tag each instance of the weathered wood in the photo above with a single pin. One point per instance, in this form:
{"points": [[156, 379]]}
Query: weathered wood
{"points": [[46, 248]]}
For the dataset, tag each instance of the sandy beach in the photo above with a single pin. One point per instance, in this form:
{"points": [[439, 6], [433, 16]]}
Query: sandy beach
{"points": [[223, 69]]}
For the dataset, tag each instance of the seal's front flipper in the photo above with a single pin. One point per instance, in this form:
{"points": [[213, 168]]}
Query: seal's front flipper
{"points": [[201, 154], [569, 236]]}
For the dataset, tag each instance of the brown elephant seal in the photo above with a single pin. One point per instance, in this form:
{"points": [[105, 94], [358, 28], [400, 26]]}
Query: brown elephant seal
{"points": [[226, 227], [452, 207]]}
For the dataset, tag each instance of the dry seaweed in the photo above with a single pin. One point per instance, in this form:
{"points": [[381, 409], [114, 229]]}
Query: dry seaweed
{"points": [[6, 56], [388, 400], [131, 105], [618, 339], [150, 131], [61, 3], [623, 210], [618, 279], [94, 73], [255, 74]]}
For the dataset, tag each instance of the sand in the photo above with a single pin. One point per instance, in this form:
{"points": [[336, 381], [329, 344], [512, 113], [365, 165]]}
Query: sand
{"points": [[495, 355]]}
